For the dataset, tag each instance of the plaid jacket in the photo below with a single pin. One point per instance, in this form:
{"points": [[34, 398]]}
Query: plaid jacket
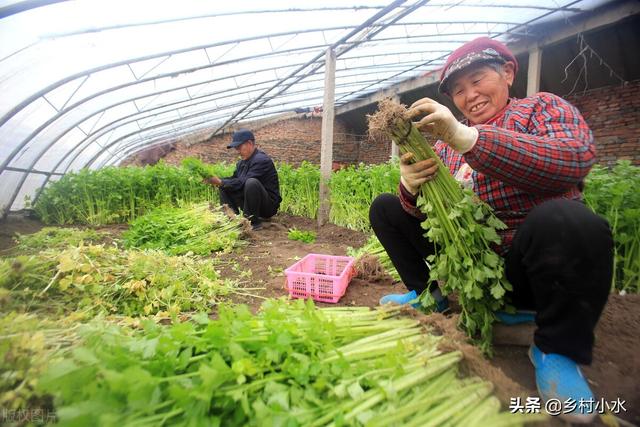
{"points": [[538, 148]]}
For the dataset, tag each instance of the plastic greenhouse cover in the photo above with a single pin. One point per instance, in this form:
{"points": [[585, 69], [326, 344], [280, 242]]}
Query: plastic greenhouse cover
{"points": [[85, 83]]}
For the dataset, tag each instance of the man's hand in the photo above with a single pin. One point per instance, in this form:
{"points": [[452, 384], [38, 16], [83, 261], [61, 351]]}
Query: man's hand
{"points": [[213, 180], [440, 122], [413, 175]]}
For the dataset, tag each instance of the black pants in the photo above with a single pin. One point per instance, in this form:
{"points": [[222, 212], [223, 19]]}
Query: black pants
{"points": [[560, 264], [253, 199]]}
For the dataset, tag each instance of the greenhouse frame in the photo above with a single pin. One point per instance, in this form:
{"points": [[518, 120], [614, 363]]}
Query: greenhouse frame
{"points": [[374, 214], [85, 86]]}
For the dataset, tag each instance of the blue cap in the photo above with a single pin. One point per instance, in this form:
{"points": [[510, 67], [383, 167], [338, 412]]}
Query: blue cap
{"points": [[241, 136]]}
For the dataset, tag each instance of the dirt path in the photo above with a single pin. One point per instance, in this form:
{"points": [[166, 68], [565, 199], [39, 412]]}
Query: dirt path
{"points": [[614, 374]]}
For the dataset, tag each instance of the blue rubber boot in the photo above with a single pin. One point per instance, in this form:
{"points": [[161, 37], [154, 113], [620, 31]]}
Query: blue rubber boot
{"points": [[441, 306], [559, 378], [401, 299], [517, 318]]}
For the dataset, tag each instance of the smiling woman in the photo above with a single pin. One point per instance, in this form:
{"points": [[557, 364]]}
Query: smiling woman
{"points": [[526, 158]]}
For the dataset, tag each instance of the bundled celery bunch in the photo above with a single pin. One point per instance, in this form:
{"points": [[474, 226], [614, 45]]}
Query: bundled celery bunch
{"points": [[462, 227], [290, 365]]}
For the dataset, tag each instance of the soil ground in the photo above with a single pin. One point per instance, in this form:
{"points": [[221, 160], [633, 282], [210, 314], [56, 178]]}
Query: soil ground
{"points": [[615, 371]]}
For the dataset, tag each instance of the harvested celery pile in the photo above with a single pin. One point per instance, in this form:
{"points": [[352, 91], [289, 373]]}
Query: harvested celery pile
{"points": [[55, 238], [98, 279], [462, 227], [290, 365], [198, 229]]}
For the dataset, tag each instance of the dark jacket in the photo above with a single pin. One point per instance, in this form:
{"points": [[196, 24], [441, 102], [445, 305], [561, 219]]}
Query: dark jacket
{"points": [[259, 166]]}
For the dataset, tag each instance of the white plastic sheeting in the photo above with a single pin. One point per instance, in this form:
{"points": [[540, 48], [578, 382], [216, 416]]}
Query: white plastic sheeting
{"points": [[87, 83]]}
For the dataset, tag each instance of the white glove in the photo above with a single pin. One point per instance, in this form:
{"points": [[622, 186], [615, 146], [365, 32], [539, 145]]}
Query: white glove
{"points": [[413, 175], [440, 122]]}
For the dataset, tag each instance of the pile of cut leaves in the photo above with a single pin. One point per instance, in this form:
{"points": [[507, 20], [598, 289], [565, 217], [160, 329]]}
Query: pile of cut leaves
{"points": [[290, 365], [104, 279], [198, 229], [55, 238]]}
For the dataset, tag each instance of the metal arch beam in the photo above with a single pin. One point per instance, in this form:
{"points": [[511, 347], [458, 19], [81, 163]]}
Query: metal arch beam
{"points": [[62, 112], [378, 66], [123, 120], [197, 114], [20, 106], [72, 77], [23, 6], [512, 31], [554, 10], [163, 141], [290, 10], [208, 120], [138, 146], [46, 124], [90, 162], [193, 69], [367, 37], [195, 84], [213, 15], [342, 40]]}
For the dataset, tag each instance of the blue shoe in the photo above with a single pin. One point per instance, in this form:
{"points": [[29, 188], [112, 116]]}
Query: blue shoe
{"points": [[401, 299], [520, 316], [559, 378], [442, 306]]}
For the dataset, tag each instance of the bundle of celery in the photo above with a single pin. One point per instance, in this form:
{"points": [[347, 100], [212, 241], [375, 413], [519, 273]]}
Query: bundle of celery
{"points": [[98, 279], [199, 229], [374, 248], [461, 227], [290, 365]]}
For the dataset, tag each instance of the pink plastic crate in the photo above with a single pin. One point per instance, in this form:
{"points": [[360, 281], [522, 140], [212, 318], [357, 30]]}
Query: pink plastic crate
{"points": [[321, 277]]}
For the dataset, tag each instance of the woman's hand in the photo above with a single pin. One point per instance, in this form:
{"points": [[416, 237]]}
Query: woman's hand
{"points": [[441, 123], [413, 175]]}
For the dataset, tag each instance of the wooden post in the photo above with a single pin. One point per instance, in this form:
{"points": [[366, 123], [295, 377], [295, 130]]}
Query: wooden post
{"points": [[326, 148], [533, 72]]}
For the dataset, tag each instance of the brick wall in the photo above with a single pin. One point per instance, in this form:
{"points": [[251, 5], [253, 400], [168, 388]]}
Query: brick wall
{"points": [[613, 113]]}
